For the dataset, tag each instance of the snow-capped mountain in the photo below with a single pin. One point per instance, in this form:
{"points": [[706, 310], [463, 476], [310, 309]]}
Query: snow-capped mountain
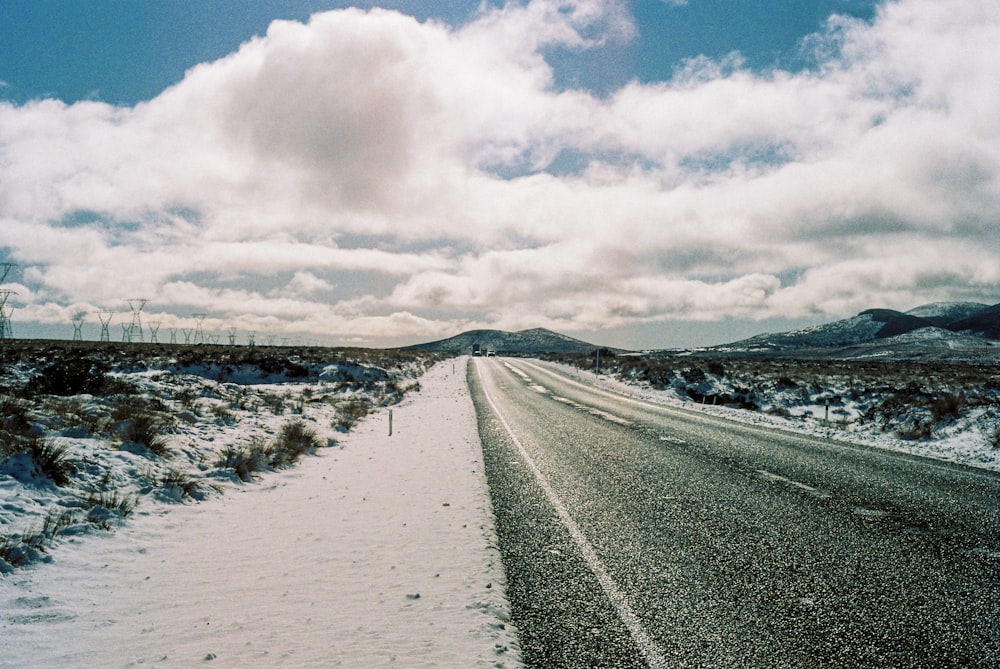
{"points": [[523, 342], [939, 322], [942, 314]]}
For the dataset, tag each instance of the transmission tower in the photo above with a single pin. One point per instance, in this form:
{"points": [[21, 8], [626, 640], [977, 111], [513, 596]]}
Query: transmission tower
{"points": [[135, 329], [126, 333], [5, 269], [232, 336], [250, 339], [6, 332], [187, 335], [199, 334], [105, 317], [78, 327], [153, 329], [173, 335]]}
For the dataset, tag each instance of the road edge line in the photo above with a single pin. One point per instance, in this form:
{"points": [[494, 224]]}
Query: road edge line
{"points": [[643, 640]]}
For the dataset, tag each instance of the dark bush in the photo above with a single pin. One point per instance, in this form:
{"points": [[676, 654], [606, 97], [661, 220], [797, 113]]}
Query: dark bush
{"points": [[947, 406], [70, 376], [349, 413], [245, 460], [52, 459], [14, 416], [715, 367], [145, 429], [295, 440], [693, 374]]}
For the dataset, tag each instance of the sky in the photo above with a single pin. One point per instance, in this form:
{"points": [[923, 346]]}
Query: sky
{"points": [[642, 174]]}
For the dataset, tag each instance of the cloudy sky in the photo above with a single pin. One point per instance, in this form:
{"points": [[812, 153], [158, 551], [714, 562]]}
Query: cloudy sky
{"points": [[644, 173]]}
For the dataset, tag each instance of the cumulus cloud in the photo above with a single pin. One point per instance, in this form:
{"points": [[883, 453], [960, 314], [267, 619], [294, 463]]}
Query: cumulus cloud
{"points": [[373, 178]]}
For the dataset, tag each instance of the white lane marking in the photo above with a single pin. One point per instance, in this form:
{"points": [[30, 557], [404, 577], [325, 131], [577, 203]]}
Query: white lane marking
{"points": [[865, 512], [672, 439], [610, 417], [647, 646], [771, 476]]}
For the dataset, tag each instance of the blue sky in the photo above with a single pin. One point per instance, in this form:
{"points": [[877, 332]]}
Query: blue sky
{"points": [[639, 173], [127, 51]]}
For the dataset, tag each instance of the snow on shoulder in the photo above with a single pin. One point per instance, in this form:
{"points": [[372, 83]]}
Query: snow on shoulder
{"points": [[380, 551]]}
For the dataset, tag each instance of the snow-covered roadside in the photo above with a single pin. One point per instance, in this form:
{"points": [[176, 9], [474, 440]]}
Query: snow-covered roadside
{"points": [[378, 551], [963, 443]]}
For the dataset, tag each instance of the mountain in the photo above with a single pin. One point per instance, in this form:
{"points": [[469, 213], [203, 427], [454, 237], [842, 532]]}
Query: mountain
{"points": [[524, 342], [942, 314], [984, 324], [938, 323]]}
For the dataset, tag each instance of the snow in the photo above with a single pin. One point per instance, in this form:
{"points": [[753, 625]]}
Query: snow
{"points": [[967, 440], [379, 551]]}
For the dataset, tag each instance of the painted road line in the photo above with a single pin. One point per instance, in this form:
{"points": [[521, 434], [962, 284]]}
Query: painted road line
{"points": [[771, 476], [643, 640]]}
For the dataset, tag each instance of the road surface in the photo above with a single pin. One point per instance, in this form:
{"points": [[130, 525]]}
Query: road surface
{"points": [[641, 535]]}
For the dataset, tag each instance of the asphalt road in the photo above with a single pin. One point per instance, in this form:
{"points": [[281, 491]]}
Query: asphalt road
{"points": [[637, 535]]}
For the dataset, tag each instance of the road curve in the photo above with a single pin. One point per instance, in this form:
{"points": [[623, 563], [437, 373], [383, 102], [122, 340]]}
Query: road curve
{"points": [[640, 535]]}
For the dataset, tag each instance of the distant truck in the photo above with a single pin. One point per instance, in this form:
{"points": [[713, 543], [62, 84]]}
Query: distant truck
{"points": [[477, 350]]}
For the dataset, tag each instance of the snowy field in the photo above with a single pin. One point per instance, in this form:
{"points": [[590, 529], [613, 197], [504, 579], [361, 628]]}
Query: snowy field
{"points": [[378, 551]]}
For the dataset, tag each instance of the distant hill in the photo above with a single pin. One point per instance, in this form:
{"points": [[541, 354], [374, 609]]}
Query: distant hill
{"points": [[950, 319], [984, 324], [942, 314], [525, 342]]}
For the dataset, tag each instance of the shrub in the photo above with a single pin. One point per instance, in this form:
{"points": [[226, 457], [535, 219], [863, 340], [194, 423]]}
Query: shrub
{"points": [[994, 440], [295, 440], [274, 402], [145, 429], [223, 413], [14, 416], [52, 459], [127, 407], [69, 376], [182, 481], [245, 460], [349, 413], [20, 550], [187, 397], [715, 367], [56, 520], [107, 508], [14, 552], [915, 431], [948, 405]]}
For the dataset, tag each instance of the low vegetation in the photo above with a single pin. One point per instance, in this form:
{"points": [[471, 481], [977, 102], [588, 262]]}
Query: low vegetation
{"points": [[89, 430], [908, 399], [350, 412], [294, 440]]}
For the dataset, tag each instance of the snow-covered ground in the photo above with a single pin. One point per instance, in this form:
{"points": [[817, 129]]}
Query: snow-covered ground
{"points": [[969, 438], [378, 551]]}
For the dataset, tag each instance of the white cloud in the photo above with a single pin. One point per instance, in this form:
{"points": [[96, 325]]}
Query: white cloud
{"points": [[395, 169]]}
